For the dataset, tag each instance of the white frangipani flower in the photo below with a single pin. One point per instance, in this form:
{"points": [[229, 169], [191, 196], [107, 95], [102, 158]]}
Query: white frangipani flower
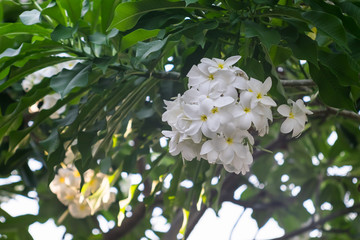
{"points": [[96, 193], [247, 113], [180, 143], [65, 178], [259, 91], [49, 101], [295, 117], [78, 208], [216, 64]]}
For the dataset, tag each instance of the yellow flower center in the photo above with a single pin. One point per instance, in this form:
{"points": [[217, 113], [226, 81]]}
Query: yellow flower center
{"points": [[214, 110], [203, 118], [82, 206], [250, 90], [221, 66], [62, 179], [247, 110], [259, 96], [291, 115], [76, 173], [229, 141], [211, 77], [69, 197]]}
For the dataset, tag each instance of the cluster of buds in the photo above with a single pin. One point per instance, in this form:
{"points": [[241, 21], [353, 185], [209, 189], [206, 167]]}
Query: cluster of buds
{"points": [[211, 120], [95, 195]]}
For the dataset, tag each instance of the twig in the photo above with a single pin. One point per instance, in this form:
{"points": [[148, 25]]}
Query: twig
{"points": [[298, 83], [236, 223], [320, 222]]}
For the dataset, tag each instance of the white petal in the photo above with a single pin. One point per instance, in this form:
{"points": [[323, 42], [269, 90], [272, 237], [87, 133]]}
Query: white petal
{"points": [[266, 86], [206, 147], [232, 60], [287, 125], [223, 101], [226, 156], [284, 110], [266, 100]]}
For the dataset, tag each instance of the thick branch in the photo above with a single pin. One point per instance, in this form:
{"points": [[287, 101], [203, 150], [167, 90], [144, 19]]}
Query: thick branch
{"points": [[320, 222], [127, 224], [335, 111]]}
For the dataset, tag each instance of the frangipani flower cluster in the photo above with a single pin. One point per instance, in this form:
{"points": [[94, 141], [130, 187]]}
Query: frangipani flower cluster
{"points": [[95, 195], [49, 100], [212, 119]]}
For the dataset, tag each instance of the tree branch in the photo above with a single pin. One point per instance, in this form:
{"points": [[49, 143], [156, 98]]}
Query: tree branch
{"points": [[298, 83], [335, 111], [127, 224], [320, 222]]}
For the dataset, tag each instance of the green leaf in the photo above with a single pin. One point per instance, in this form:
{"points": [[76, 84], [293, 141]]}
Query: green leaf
{"points": [[54, 12], [69, 79], [305, 49], [279, 54], [107, 12], [62, 32], [330, 90], [190, 1], [145, 49], [329, 24], [31, 67], [98, 38], [254, 68], [52, 142], [137, 36], [11, 29], [85, 141], [30, 17], [72, 7], [342, 67], [128, 14], [266, 35]]}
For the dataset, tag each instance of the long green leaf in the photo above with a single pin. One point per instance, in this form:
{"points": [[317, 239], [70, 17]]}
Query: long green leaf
{"points": [[11, 29], [137, 36], [31, 67], [128, 14]]}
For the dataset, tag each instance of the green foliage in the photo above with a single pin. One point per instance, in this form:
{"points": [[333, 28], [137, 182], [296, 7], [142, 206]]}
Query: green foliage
{"points": [[108, 117]]}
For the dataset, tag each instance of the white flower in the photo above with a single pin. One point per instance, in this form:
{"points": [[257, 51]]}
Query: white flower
{"points": [[103, 197], [79, 208], [173, 110], [259, 90], [230, 149], [198, 118], [240, 164], [216, 64], [65, 178], [180, 143], [295, 117], [67, 194], [246, 113], [49, 101]]}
